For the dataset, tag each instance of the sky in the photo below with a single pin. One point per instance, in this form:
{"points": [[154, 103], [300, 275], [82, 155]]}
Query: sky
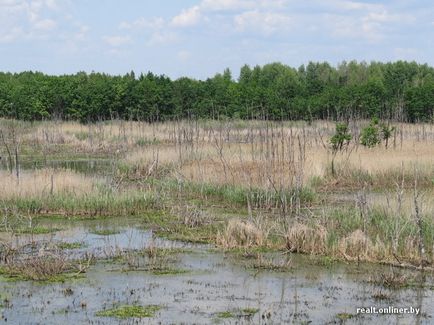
{"points": [[198, 38]]}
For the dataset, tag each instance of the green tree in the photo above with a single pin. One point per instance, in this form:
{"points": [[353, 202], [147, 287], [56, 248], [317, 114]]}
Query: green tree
{"points": [[386, 132], [341, 138], [370, 136]]}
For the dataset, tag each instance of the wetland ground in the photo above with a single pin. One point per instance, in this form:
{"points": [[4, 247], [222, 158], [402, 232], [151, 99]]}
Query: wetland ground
{"points": [[201, 285], [230, 222]]}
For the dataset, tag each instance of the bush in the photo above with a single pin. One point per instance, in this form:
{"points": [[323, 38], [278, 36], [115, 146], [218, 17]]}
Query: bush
{"points": [[370, 136], [386, 132], [341, 138]]}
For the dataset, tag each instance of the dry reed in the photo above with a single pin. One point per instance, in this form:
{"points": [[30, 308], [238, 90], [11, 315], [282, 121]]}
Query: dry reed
{"points": [[44, 182], [241, 233], [301, 238]]}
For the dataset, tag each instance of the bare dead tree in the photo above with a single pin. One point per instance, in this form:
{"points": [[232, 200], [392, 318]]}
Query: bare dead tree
{"points": [[8, 150], [419, 221]]}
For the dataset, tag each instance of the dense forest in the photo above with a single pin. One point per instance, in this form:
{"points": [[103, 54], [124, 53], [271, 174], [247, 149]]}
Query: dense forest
{"points": [[402, 91]]}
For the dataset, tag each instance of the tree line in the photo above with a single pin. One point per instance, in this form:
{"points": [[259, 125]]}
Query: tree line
{"points": [[400, 91]]}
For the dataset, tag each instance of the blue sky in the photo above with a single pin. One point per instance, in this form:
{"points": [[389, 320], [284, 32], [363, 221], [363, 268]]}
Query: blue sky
{"points": [[198, 38]]}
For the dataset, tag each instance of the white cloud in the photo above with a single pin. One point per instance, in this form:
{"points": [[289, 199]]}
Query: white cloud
{"points": [[265, 22], [45, 24], [405, 53], [160, 31], [142, 23], [187, 17], [249, 12], [26, 19], [223, 5], [52, 4], [217, 5], [162, 38], [385, 17], [117, 40], [365, 21], [355, 5], [82, 32], [353, 28], [12, 35], [184, 55]]}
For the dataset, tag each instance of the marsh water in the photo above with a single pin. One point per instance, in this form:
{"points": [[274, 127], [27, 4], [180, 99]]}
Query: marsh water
{"points": [[204, 285], [86, 166], [211, 283]]}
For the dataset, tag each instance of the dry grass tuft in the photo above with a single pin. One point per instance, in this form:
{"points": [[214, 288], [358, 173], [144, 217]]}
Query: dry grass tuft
{"points": [[411, 249], [240, 233], [192, 216], [357, 246], [301, 238], [39, 183], [153, 155], [40, 268], [392, 280], [264, 263]]}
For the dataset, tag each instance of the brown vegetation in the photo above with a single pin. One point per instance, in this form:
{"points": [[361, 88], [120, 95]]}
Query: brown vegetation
{"points": [[241, 233], [305, 239], [369, 208]]}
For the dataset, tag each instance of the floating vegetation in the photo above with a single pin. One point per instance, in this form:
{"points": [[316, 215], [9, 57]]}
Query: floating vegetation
{"points": [[46, 266], [344, 316], [105, 232], [38, 230], [168, 271], [392, 280], [130, 312], [225, 314], [271, 264], [67, 245], [238, 313], [248, 312]]}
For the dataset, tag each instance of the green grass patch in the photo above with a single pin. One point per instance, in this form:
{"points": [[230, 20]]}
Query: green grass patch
{"points": [[249, 311], [105, 232], [170, 227], [344, 316], [225, 314], [16, 276], [130, 312], [38, 230], [238, 313], [103, 202], [169, 271], [235, 196], [323, 261], [164, 251], [200, 235], [74, 245], [250, 252]]}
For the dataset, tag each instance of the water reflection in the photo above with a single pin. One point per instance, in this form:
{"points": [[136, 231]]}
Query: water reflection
{"points": [[85, 166]]}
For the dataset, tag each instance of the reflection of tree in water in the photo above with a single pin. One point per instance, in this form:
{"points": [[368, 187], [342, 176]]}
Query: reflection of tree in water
{"points": [[420, 291]]}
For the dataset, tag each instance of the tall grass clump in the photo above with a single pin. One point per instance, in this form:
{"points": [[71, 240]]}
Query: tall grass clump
{"points": [[302, 238], [241, 233], [237, 195], [377, 236], [49, 191], [45, 182]]}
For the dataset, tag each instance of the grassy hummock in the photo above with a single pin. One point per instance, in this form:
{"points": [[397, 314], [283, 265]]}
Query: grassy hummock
{"points": [[130, 312]]}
